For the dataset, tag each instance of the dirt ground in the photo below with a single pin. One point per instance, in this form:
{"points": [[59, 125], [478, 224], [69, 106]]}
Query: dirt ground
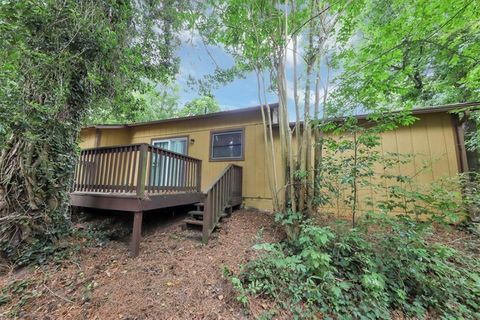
{"points": [[175, 276]]}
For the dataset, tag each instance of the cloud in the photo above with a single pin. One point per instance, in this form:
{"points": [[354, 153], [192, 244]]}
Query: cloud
{"points": [[227, 107], [301, 93], [190, 36], [291, 52]]}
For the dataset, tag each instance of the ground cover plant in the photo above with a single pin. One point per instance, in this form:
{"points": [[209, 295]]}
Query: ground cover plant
{"points": [[385, 264]]}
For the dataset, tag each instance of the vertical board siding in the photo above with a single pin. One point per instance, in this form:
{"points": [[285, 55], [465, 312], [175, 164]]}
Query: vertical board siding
{"points": [[431, 139]]}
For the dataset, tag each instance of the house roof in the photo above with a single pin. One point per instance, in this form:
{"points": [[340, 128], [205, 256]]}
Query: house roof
{"points": [[435, 109], [240, 111]]}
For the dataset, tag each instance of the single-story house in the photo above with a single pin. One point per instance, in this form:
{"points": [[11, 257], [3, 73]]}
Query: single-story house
{"points": [[142, 166]]}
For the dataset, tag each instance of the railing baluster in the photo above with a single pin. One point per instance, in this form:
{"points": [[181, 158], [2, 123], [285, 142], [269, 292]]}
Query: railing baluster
{"points": [[89, 169], [132, 184], [148, 170], [128, 155], [111, 163], [142, 170], [123, 168], [161, 171], [190, 174], [221, 193], [99, 173], [95, 170], [85, 171], [75, 175], [93, 165], [101, 170], [153, 170], [117, 169], [80, 172], [175, 172], [156, 178]]}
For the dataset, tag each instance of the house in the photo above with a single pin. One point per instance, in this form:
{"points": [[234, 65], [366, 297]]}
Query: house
{"points": [[218, 160]]}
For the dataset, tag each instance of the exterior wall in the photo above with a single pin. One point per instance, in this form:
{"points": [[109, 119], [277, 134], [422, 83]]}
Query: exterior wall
{"points": [[255, 183], [87, 138], [255, 180], [115, 137], [431, 139]]}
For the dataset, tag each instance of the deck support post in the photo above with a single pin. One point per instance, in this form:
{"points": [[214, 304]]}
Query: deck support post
{"points": [[136, 233]]}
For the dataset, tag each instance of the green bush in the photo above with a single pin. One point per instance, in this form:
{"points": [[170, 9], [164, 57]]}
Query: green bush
{"points": [[384, 264]]}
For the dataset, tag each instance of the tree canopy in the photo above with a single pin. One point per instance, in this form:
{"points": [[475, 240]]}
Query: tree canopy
{"points": [[410, 53], [145, 104], [59, 60], [202, 105]]}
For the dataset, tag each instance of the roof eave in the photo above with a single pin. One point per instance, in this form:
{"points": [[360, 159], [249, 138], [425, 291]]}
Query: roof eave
{"points": [[197, 117]]}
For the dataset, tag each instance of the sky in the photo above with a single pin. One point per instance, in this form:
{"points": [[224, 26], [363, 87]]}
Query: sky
{"points": [[198, 60]]}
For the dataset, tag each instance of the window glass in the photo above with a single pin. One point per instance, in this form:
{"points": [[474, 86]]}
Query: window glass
{"points": [[227, 145], [176, 145]]}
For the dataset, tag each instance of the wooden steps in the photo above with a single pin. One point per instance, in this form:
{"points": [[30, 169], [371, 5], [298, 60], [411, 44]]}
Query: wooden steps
{"points": [[196, 216], [220, 198], [194, 222]]}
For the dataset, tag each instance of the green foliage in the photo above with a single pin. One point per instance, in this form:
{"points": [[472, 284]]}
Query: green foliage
{"points": [[403, 53], [471, 116], [385, 264], [59, 60], [353, 161], [18, 291], [198, 106], [146, 104], [237, 285]]}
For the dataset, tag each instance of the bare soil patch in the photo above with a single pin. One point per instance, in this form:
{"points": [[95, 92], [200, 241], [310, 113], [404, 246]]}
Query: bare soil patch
{"points": [[175, 276]]}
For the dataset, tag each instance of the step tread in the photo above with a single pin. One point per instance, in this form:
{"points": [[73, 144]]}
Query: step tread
{"points": [[200, 204], [195, 213], [195, 222]]}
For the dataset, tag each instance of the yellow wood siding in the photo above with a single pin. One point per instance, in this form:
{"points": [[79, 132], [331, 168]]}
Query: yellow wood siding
{"points": [[87, 138], [431, 139], [115, 137]]}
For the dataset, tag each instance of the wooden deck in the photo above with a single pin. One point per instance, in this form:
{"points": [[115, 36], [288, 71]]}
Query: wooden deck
{"points": [[140, 177], [134, 172]]}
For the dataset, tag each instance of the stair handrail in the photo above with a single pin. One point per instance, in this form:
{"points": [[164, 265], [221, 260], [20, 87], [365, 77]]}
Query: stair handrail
{"points": [[220, 194]]}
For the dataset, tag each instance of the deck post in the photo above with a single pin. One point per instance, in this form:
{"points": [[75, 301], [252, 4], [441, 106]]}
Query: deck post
{"points": [[142, 170], [207, 217], [199, 176], [136, 233]]}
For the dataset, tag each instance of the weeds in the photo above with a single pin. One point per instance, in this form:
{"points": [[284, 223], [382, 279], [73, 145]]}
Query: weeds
{"points": [[384, 264]]}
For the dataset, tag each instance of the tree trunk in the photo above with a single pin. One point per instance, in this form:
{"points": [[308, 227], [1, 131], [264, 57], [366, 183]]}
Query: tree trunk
{"points": [[36, 171]]}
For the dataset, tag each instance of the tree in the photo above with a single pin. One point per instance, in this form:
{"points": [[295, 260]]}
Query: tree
{"points": [[259, 36], [151, 103], [416, 53], [202, 105], [58, 60]]}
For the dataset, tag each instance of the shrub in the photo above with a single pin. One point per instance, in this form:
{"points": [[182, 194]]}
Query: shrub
{"points": [[384, 264]]}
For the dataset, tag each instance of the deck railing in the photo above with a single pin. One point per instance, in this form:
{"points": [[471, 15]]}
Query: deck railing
{"points": [[137, 169], [224, 192]]}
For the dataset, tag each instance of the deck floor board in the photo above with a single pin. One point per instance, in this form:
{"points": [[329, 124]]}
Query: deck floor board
{"points": [[131, 202]]}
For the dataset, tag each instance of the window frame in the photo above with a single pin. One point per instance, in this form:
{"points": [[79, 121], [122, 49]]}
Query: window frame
{"points": [[223, 131], [186, 138]]}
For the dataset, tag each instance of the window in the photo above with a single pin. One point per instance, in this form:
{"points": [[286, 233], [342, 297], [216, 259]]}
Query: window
{"points": [[174, 144], [162, 168], [227, 145]]}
